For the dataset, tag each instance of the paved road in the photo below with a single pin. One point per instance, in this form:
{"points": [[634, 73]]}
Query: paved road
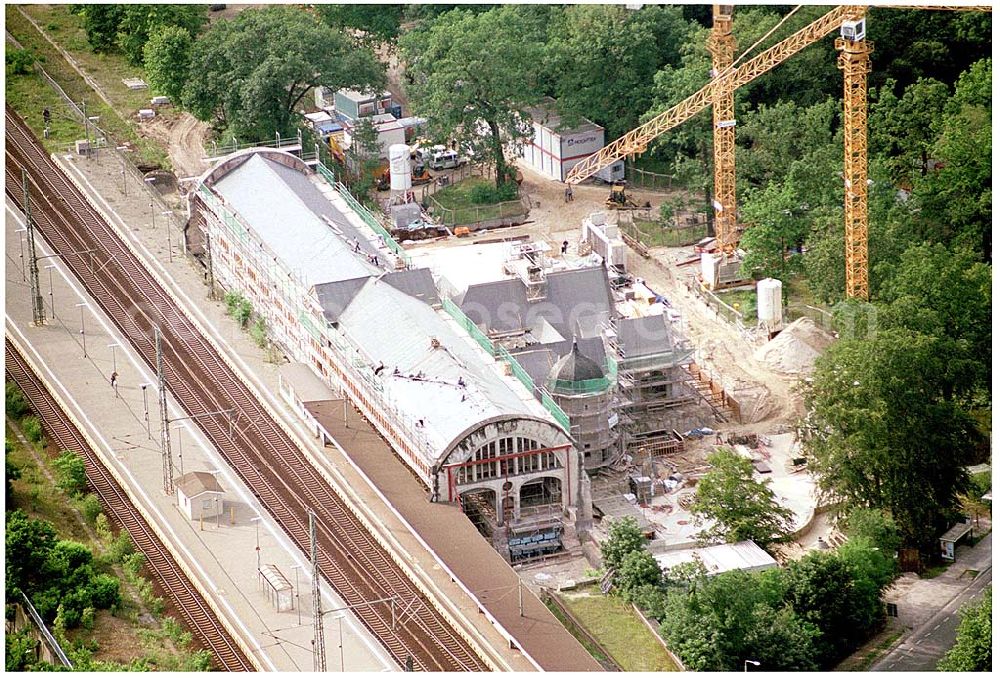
{"points": [[923, 648]]}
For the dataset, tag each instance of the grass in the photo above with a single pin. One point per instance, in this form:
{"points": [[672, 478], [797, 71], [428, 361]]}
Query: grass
{"points": [[29, 95], [117, 121], [655, 234], [873, 654], [744, 301], [594, 651], [617, 627], [933, 571], [460, 207]]}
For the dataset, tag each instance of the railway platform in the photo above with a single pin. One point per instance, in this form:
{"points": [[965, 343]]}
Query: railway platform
{"points": [[221, 550], [101, 179]]}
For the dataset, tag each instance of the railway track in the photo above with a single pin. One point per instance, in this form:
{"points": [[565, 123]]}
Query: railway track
{"points": [[259, 450], [195, 611]]}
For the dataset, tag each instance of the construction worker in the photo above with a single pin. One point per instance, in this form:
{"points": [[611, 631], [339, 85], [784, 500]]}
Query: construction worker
{"points": [[565, 247], [568, 194]]}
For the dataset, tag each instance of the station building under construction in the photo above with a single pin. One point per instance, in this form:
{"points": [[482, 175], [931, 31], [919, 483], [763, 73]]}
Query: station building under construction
{"points": [[339, 297]]}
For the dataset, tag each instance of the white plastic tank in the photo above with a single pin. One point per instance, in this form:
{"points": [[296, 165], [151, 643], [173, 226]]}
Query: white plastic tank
{"points": [[769, 307], [710, 269], [399, 168]]}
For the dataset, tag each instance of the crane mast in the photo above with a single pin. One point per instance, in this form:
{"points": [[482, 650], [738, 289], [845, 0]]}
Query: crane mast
{"points": [[853, 59], [722, 47]]}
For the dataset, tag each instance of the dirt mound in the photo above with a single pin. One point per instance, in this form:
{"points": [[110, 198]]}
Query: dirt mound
{"points": [[795, 349]]}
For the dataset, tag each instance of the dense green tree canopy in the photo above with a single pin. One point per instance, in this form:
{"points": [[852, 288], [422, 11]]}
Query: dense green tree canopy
{"points": [[973, 649], [738, 506], [475, 75], [885, 433], [604, 59], [28, 543], [139, 22], [624, 538], [376, 22], [167, 56], [249, 74]]}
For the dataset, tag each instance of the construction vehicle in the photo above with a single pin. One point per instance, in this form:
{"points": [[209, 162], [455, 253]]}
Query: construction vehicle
{"points": [[418, 175], [619, 199], [853, 60]]}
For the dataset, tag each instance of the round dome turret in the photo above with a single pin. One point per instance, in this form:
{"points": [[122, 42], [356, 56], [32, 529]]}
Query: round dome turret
{"points": [[575, 373]]}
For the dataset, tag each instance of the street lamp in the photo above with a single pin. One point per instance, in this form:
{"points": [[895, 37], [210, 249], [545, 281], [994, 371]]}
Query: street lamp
{"points": [[256, 521], [749, 661], [122, 149], [52, 301], [114, 366], [145, 409], [83, 329], [170, 247], [297, 606], [20, 244]]}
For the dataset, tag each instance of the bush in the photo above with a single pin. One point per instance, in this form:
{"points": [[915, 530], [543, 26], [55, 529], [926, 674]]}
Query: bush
{"points": [[258, 332], [122, 548], [133, 561], [489, 194], [103, 527], [32, 429], [19, 61], [17, 404], [87, 618], [105, 591], [72, 476]]}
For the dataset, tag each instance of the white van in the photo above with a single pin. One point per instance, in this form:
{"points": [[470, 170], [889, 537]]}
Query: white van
{"points": [[446, 159]]}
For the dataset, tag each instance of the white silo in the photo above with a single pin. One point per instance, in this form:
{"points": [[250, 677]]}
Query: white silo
{"points": [[769, 306], [400, 178]]}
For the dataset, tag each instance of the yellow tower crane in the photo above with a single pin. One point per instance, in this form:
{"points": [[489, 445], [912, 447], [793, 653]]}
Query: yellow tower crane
{"points": [[853, 60], [722, 47]]}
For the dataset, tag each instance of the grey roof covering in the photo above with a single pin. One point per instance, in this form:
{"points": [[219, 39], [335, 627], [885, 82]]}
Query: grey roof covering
{"points": [[417, 282], [279, 203], [547, 114], [577, 302], [537, 363], [574, 366], [195, 483], [395, 330], [501, 305], [538, 360], [334, 297], [644, 336]]}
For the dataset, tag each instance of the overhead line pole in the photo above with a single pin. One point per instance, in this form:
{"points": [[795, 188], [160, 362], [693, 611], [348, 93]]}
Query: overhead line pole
{"points": [[165, 452], [37, 306], [319, 641]]}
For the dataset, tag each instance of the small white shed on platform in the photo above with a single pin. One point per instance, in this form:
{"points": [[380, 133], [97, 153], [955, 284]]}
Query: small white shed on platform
{"points": [[199, 495]]}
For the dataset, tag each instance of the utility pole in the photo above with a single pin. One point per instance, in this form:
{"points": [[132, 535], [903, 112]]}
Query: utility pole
{"points": [[37, 307], [168, 460], [319, 642]]}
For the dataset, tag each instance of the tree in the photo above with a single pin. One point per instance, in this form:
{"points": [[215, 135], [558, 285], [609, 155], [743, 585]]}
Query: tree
{"points": [[364, 156], [100, 22], [251, 73], [167, 56], [904, 128], [15, 402], [973, 649], [944, 294], [474, 76], [958, 196], [28, 545], [875, 525], [739, 507], [639, 569], [822, 590], [139, 22], [376, 23], [606, 58], [624, 537], [72, 473], [776, 225], [883, 434]]}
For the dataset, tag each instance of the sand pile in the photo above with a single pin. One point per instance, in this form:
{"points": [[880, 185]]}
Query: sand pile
{"points": [[795, 349]]}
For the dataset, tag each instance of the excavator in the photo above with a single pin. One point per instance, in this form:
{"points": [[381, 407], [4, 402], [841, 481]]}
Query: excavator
{"points": [[619, 199]]}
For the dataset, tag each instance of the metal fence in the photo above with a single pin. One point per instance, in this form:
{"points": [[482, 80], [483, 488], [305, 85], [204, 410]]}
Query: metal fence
{"points": [[476, 214]]}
